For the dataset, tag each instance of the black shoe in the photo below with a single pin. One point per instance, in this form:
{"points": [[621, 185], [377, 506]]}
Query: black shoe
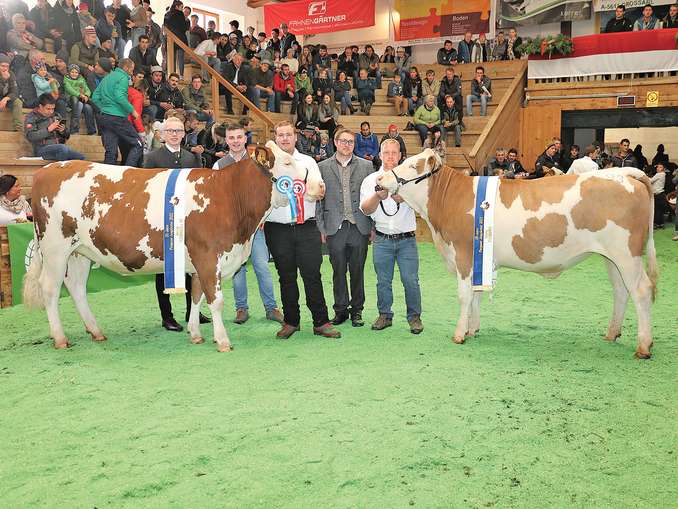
{"points": [[340, 318], [172, 325], [357, 320]]}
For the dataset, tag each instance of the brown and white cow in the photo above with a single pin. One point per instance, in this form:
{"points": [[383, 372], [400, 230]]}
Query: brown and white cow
{"points": [[543, 226], [113, 215]]}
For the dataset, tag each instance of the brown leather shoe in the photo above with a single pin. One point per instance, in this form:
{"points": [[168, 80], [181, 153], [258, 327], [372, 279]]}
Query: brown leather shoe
{"points": [[286, 331], [327, 331], [241, 316], [274, 315], [415, 325], [382, 322]]}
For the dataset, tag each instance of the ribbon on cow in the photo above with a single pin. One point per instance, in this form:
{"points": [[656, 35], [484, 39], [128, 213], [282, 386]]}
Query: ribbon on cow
{"points": [[294, 190], [484, 273], [174, 233]]}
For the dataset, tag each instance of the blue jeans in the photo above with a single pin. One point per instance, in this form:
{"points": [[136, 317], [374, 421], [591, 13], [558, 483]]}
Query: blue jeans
{"points": [[77, 109], [423, 132], [152, 111], [345, 100], [135, 33], [257, 94], [385, 254], [470, 99], [119, 47], [413, 105], [202, 116], [116, 131], [259, 258], [58, 152]]}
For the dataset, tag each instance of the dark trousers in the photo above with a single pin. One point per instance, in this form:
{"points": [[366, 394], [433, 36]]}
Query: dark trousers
{"points": [[661, 205], [114, 131], [348, 250], [298, 247], [164, 298]]}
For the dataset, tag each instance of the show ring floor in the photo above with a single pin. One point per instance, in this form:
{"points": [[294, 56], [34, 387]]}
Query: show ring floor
{"points": [[536, 411]]}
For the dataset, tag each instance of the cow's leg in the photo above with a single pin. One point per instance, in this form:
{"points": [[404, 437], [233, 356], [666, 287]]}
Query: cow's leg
{"points": [[76, 282], [474, 318], [465, 300], [621, 297], [52, 275], [640, 288], [211, 286], [197, 297]]}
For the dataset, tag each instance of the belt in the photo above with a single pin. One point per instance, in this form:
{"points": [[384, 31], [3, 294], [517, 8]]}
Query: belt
{"points": [[396, 236], [308, 221]]}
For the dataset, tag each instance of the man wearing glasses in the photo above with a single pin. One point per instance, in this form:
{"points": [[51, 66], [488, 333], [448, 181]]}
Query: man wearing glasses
{"points": [[171, 155], [344, 227]]}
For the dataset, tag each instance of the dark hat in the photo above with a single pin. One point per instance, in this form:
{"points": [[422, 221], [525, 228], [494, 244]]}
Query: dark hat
{"points": [[105, 64], [6, 183]]}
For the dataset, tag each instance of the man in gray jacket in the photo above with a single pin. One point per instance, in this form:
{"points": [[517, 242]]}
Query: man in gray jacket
{"points": [[344, 227]]}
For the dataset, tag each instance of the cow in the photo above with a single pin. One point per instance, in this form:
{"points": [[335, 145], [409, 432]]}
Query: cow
{"points": [[113, 215], [543, 226]]}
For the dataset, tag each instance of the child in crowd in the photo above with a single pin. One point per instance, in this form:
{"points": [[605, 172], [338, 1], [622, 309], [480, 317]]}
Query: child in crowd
{"points": [[324, 149], [306, 142], [43, 82], [246, 124], [152, 139], [78, 95]]}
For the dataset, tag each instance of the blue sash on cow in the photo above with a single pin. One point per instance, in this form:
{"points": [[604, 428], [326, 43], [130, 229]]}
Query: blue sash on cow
{"points": [[484, 273], [174, 218]]}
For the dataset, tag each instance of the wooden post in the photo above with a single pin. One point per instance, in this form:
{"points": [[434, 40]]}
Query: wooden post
{"points": [[170, 55], [216, 107]]}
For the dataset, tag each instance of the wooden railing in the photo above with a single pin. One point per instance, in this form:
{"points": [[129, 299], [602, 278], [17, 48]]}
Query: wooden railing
{"points": [[216, 79], [503, 127]]}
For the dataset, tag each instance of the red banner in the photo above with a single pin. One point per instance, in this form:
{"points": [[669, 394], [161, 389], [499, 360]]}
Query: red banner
{"points": [[318, 16]]}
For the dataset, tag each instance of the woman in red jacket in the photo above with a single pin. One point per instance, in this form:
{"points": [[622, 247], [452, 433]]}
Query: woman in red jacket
{"points": [[136, 95]]}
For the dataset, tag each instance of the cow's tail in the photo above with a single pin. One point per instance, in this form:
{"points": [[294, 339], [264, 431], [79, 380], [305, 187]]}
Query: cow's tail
{"points": [[32, 291]]}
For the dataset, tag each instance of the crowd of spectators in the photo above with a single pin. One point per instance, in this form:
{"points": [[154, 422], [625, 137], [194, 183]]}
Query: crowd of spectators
{"points": [[647, 20]]}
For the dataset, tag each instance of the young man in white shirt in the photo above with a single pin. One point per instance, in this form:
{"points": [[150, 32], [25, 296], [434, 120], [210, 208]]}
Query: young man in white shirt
{"points": [[585, 164], [296, 247], [658, 181], [237, 144], [395, 242]]}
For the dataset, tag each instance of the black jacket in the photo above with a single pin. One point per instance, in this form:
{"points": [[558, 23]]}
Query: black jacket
{"points": [[143, 62], [412, 87], [619, 25], [68, 24], [163, 158], [168, 95], [244, 74], [445, 57], [177, 24], [543, 160], [452, 88]]}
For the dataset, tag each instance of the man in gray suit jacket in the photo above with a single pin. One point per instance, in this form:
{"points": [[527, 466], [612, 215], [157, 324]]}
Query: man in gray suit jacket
{"points": [[344, 227]]}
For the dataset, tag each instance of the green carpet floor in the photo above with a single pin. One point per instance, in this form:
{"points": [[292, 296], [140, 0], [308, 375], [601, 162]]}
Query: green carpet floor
{"points": [[536, 411]]}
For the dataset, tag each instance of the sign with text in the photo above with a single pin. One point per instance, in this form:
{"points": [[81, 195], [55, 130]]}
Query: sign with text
{"points": [[419, 21], [319, 16], [539, 12]]}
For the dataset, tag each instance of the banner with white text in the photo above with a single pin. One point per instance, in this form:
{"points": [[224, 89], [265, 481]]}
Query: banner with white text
{"points": [[319, 16]]}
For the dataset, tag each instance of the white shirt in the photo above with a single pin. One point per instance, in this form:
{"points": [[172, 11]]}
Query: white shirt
{"points": [[206, 46], [403, 219], [8, 216], [658, 180], [582, 165], [283, 214]]}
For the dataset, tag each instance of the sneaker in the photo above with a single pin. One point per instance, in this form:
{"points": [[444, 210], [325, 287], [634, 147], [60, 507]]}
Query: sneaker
{"points": [[274, 315], [327, 331], [357, 319], [382, 322], [241, 316], [286, 331], [415, 325]]}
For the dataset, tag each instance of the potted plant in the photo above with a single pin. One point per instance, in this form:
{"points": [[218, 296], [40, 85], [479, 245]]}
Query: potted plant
{"points": [[547, 46]]}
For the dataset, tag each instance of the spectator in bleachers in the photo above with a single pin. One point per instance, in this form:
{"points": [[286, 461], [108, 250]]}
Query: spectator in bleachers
{"points": [[450, 119], [253, 51], [584, 164], [447, 55], [108, 28], [66, 19], [9, 93], [223, 50], [170, 96], [274, 41], [237, 73], [122, 14], [661, 156], [624, 157], [262, 86], [499, 165], [44, 82], [47, 132], [412, 90], [515, 167], [192, 135], [291, 62], [328, 115], [42, 16], [620, 23], [13, 206], [648, 21], [323, 149], [211, 28], [59, 73], [661, 206], [101, 69], [347, 63], [78, 95], [671, 19], [197, 34], [194, 100], [435, 139], [23, 72], [499, 48], [245, 47], [154, 33], [85, 53], [481, 91], [322, 84], [16, 6], [545, 163], [306, 142], [430, 85], [111, 97], [262, 47], [142, 57], [246, 124], [393, 134], [481, 50], [20, 40], [138, 19], [369, 61], [512, 52], [250, 31], [4, 28], [427, 117], [283, 86], [176, 23], [451, 85], [302, 84], [156, 108], [389, 56], [307, 111], [464, 49], [106, 51], [342, 92], [394, 95], [306, 60], [569, 158], [135, 96], [640, 158], [366, 144], [287, 39], [560, 151], [403, 62], [234, 24], [213, 140], [85, 17], [365, 87]]}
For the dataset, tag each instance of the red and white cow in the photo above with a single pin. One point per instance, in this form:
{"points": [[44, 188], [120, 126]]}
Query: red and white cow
{"points": [[113, 215], [543, 226]]}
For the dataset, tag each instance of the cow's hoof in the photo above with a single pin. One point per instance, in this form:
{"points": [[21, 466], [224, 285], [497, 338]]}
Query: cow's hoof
{"points": [[642, 354], [60, 345], [224, 348], [197, 341], [612, 337], [458, 340], [471, 332], [98, 337]]}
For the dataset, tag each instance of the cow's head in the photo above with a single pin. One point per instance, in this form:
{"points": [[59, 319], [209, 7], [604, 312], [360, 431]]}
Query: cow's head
{"points": [[282, 163], [410, 178]]}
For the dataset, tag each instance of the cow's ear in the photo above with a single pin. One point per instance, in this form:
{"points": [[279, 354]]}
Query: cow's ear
{"points": [[264, 156], [431, 162]]}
